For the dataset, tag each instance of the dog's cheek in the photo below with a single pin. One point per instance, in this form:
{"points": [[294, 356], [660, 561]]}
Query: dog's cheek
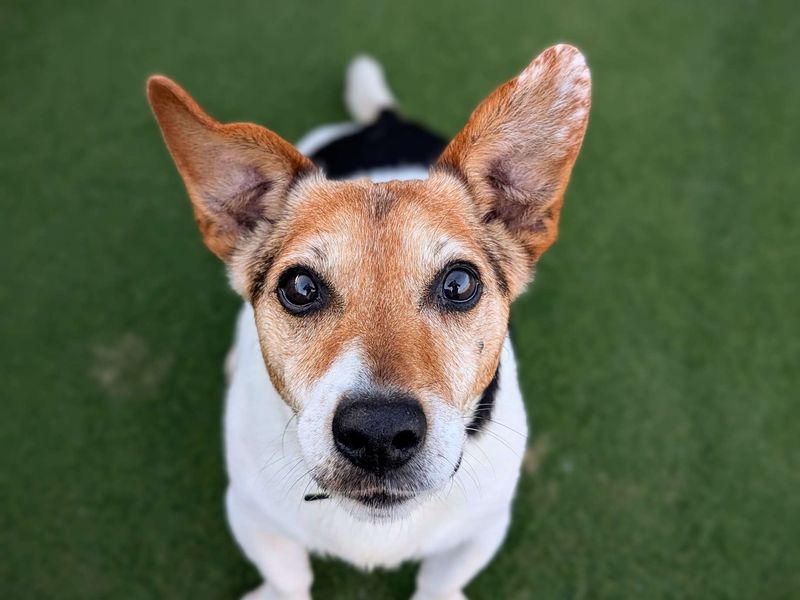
{"points": [[445, 443], [491, 337], [314, 421], [472, 345], [320, 398], [277, 351]]}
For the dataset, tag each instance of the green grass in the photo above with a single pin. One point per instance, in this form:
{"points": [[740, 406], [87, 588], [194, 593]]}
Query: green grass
{"points": [[659, 348]]}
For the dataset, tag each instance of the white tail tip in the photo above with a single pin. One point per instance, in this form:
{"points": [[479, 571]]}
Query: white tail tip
{"points": [[366, 92]]}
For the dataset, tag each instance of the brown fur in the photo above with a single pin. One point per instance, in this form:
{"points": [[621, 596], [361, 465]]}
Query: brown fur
{"points": [[493, 200], [236, 174], [517, 151]]}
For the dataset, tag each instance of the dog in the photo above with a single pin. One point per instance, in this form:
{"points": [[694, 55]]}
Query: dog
{"points": [[373, 412]]}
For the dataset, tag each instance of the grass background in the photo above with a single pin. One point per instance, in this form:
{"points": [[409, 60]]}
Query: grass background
{"points": [[659, 347]]}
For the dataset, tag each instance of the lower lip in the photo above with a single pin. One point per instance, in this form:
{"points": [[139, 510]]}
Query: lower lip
{"points": [[382, 500]]}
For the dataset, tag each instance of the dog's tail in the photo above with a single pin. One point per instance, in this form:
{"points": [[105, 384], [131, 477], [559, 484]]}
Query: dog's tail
{"points": [[366, 93]]}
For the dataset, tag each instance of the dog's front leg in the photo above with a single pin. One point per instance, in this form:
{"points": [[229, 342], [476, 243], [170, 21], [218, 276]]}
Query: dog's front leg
{"points": [[283, 563], [443, 576]]}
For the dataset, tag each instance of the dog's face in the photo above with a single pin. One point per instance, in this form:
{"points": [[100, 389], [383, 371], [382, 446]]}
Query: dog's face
{"points": [[382, 308]]}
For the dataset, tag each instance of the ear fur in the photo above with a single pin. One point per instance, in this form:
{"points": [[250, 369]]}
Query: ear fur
{"points": [[517, 151], [237, 175]]}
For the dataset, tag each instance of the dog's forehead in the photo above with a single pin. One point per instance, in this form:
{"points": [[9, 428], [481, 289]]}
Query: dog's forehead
{"points": [[400, 223]]}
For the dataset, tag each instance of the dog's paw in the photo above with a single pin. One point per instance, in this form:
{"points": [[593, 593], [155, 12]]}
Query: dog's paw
{"points": [[267, 592], [459, 595]]}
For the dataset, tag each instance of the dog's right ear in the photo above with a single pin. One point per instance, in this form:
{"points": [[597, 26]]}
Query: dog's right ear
{"points": [[237, 175], [517, 151]]}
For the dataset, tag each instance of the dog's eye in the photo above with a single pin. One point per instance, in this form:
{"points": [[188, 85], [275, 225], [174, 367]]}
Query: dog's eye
{"points": [[299, 290], [460, 287]]}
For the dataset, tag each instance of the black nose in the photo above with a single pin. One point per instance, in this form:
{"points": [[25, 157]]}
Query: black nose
{"points": [[379, 432]]}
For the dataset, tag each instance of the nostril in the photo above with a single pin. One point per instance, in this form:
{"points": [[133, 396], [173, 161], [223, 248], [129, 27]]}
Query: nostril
{"points": [[353, 440], [405, 440]]}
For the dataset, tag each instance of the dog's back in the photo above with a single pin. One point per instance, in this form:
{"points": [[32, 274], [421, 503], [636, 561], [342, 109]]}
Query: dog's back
{"points": [[378, 140]]}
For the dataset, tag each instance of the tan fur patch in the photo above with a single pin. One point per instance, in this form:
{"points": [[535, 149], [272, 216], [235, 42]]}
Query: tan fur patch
{"points": [[236, 174]]}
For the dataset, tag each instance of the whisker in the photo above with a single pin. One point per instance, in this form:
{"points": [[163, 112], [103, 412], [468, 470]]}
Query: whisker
{"points": [[285, 429], [279, 447], [462, 489], [285, 471], [470, 470], [454, 478], [497, 437], [491, 420], [511, 429], [296, 481], [488, 460]]}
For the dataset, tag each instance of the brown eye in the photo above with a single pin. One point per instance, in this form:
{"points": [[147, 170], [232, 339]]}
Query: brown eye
{"points": [[299, 290]]}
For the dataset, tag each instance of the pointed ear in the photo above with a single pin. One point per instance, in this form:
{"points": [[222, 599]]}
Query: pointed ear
{"points": [[517, 150], [237, 175]]}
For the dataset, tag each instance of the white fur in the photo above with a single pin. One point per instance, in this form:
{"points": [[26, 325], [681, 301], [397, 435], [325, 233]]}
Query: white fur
{"points": [[323, 135], [319, 404], [366, 92]]}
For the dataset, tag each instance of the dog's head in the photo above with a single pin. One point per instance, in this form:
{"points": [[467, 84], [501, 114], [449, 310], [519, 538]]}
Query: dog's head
{"points": [[382, 308]]}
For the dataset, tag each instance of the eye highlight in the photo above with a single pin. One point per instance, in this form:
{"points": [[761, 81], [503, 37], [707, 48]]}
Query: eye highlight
{"points": [[301, 291], [457, 287]]}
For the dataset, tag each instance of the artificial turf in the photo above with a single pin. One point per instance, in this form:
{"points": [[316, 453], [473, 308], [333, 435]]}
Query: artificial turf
{"points": [[659, 346]]}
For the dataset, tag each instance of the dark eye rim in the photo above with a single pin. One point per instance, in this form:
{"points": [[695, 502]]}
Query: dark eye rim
{"points": [[302, 309], [447, 305]]}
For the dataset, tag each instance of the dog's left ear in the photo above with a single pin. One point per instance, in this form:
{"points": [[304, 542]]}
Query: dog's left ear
{"points": [[517, 151], [237, 175]]}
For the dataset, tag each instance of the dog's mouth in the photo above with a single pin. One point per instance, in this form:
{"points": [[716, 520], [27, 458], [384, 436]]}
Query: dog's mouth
{"points": [[375, 494], [383, 499], [377, 499]]}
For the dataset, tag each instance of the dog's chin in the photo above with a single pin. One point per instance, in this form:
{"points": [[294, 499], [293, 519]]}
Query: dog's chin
{"points": [[380, 505]]}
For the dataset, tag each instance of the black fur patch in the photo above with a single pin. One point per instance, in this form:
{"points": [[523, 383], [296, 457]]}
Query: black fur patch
{"points": [[314, 497], [388, 142], [497, 268], [260, 278], [483, 412]]}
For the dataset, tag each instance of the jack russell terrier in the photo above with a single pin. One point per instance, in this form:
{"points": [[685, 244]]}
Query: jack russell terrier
{"points": [[373, 411]]}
